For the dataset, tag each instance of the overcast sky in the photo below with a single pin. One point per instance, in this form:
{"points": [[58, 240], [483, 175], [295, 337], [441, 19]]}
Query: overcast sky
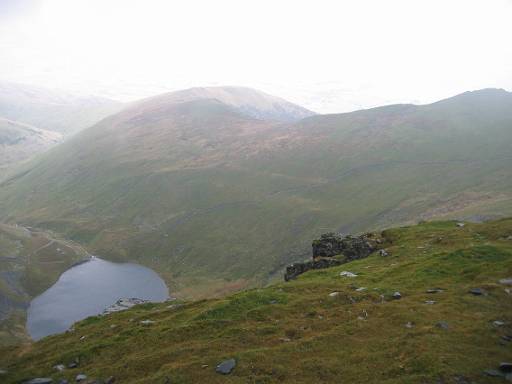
{"points": [[330, 56]]}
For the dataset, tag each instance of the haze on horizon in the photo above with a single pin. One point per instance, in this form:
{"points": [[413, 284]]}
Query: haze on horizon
{"points": [[315, 53]]}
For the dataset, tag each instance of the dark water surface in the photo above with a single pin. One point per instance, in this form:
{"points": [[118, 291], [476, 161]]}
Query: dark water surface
{"points": [[87, 289]]}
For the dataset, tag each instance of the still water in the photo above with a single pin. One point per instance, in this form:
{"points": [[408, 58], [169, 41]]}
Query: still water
{"points": [[87, 289]]}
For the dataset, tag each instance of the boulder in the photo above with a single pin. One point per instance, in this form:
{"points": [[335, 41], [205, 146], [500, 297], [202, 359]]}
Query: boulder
{"points": [[333, 244], [80, 377], [226, 366], [477, 291], [397, 295], [443, 325]]}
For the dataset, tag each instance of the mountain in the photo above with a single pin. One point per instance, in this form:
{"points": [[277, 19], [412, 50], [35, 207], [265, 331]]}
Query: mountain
{"points": [[247, 101], [450, 322], [53, 110], [20, 141], [216, 200]]}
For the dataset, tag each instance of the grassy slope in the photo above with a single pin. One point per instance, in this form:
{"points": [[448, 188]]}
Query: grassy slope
{"points": [[30, 262], [295, 332], [215, 201]]}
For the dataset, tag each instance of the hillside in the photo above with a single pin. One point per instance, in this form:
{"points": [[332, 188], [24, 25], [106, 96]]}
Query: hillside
{"points": [[321, 327], [52, 110], [215, 200], [19, 142], [30, 262]]}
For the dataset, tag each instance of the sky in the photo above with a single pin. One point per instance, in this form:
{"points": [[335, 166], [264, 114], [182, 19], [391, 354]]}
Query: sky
{"points": [[327, 55]]}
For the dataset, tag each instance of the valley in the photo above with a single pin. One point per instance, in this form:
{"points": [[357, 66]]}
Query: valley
{"points": [[216, 200], [436, 307]]}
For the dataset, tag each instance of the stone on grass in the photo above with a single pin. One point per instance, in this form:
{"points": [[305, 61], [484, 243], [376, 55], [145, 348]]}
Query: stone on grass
{"points": [[442, 325], [226, 366], [493, 373], [110, 380], [360, 289], [39, 380], [409, 325], [507, 281], [434, 290], [383, 253], [506, 367], [460, 225], [80, 377], [147, 322], [498, 323], [430, 302], [347, 274], [397, 295], [59, 367], [477, 291], [333, 294]]}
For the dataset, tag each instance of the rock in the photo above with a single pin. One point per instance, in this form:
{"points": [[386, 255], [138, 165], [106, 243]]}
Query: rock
{"points": [[360, 289], [147, 322], [60, 367], [226, 366], [507, 281], [498, 323], [333, 294], [506, 338], [442, 325], [3, 372], [294, 270], [73, 365], [460, 225], [397, 295], [383, 253], [39, 380], [493, 373], [80, 377], [110, 380], [477, 291], [123, 304], [409, 325], [333, 244], [430, 302], [347, 274], [83, 337], [434, 290], [506, 367]]}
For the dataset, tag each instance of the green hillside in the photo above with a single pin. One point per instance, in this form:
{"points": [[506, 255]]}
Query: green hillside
{"points": [[216, 201], [318, 328], [30, 262]]}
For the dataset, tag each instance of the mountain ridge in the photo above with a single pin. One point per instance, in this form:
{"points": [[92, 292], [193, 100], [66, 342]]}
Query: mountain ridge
{"points": [[213, 199]]}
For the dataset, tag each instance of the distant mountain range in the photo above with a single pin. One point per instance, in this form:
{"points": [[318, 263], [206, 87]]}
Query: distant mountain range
{"points": [[219, 188], [52, 110]]}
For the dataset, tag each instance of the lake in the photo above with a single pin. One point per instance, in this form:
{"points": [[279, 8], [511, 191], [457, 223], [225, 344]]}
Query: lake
{"points": [[86, 290]]}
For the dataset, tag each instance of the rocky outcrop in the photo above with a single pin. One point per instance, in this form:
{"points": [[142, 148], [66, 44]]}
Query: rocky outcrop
{"points": [[122, 304], [333, 249], [333, 244], [294, 270]]}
